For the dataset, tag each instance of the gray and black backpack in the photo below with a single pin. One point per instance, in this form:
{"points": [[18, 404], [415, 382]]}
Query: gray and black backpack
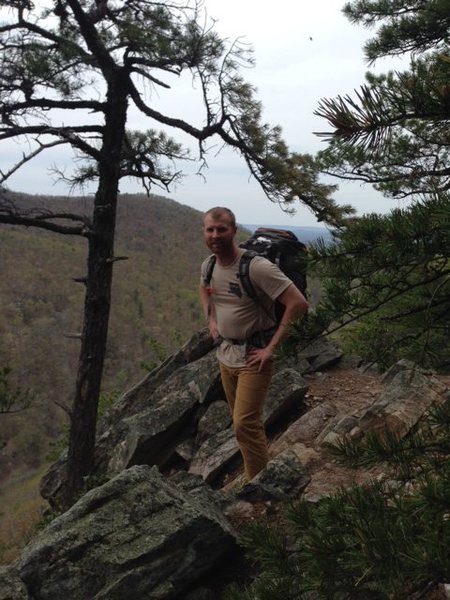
{"points": [[281, 247]]}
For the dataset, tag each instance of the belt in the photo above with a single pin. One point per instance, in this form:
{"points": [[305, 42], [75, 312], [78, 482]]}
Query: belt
{"points": [[258, 339]]}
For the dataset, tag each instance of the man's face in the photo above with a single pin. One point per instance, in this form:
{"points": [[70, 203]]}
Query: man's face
{"points": [[219, 234]]}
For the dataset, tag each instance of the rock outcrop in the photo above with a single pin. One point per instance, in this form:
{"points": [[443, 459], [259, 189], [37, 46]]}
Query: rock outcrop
{"points": [[137, 536], [409, 392], [159, 422], [167, 450]]}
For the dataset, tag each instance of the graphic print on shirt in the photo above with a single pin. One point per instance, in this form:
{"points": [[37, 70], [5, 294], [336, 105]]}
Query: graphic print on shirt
{"points": [[235, 289]]}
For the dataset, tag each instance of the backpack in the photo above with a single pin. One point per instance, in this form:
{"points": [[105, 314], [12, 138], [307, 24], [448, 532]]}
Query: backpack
{"points": [[281, 247]]}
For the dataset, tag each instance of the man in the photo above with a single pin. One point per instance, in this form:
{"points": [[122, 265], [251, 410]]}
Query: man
{"points": [[245, 330]]}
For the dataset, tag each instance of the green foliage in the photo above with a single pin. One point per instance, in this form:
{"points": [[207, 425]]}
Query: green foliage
{"points": [[159, 353], [389, 278], [269, 550], [385, 540], [13, 398], [416, 26]]}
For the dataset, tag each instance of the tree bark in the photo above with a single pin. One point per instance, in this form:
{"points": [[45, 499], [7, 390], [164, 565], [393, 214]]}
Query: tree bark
{"points": [[98, 295]]}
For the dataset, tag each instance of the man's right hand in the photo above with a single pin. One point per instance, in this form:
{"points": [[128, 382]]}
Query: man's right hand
{"points": [[212, 326]]}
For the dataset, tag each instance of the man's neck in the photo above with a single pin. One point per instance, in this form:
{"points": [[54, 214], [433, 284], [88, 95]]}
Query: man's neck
{"points": [[225, 260]]}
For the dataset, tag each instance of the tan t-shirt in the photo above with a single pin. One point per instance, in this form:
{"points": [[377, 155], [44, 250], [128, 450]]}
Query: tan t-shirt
{"points": [[238, 316]]}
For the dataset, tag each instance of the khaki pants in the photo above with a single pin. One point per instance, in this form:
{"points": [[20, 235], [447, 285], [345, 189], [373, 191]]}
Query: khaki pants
{"points": [[245, 389]]}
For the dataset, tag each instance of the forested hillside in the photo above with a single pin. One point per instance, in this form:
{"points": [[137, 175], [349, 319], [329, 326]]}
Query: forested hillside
{"points": [[154, 309]]}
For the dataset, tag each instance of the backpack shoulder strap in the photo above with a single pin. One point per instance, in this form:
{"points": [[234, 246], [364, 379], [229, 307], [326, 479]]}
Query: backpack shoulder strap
{"points": [[209, 270], [244, 274]]}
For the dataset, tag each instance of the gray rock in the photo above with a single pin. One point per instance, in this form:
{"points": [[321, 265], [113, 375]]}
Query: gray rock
{"points": [[197, 488], [327, 359], [370, 369], [11, 586], [201, 594], [283, 478], [214, 455], [137, 536], [52, 484], [339, 427], [216, 418], [409, 393], [150, 437], [187, 449], [141, 536], [402, 366], [199, 377], [157, 421], [286, 391], [199, 345], [309, 425], [302, 365], [151, 434], [321, 354]]}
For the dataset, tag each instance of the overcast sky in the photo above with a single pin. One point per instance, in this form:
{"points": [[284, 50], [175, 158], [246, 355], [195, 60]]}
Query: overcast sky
{"points": [[304, 51]]}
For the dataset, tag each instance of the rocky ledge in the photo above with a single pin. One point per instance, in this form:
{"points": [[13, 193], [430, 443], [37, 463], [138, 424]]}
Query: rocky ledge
{"points": [[165, 520]]}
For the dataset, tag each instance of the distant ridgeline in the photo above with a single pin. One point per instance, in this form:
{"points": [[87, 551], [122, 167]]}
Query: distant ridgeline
{"points": [[304, 234]]}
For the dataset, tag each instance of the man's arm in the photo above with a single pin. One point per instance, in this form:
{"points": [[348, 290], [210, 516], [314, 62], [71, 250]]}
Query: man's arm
{"points": [[295, 305], [208, 310]]}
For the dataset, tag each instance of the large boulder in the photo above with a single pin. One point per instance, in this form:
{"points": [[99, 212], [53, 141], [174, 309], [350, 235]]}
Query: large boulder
{"points": [[155, 536], [409, 393], [285, 395], [135, 399], [321, 354], [150, 435], [214, 455], [138, 536]]}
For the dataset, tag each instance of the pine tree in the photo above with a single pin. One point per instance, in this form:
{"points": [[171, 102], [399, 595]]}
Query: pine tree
{"points": [[388, 280], [388, 275]]}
